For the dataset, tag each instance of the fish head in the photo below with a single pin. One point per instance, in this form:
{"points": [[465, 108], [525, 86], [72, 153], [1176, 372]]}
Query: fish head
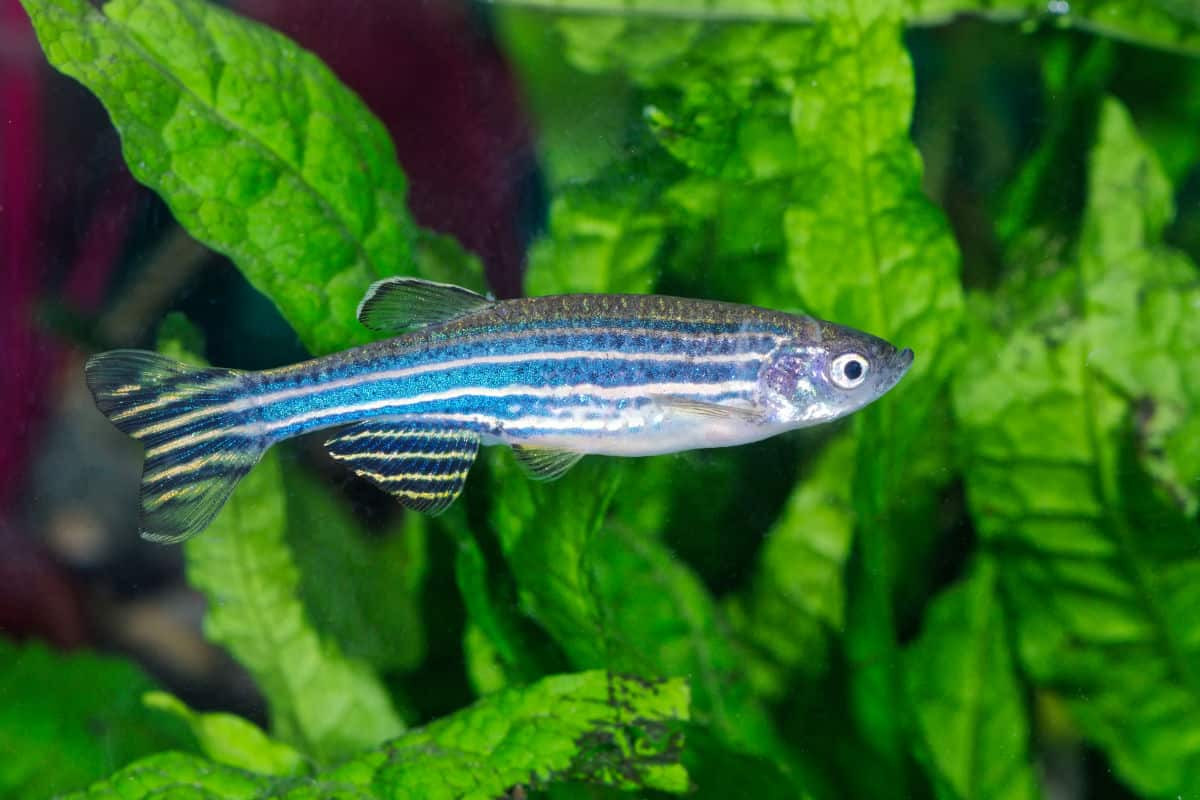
{"points": [[829, 371]]}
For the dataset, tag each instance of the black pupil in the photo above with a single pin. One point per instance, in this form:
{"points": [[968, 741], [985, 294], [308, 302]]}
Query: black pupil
{"points": [[853, 370]]}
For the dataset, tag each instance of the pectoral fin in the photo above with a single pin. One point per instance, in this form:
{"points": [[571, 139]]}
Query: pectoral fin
{"points": [[423, 466], [702, 408], [394, 304], [544, 463]]}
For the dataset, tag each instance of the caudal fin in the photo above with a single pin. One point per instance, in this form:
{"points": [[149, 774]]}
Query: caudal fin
{"points": [[199, 427]]}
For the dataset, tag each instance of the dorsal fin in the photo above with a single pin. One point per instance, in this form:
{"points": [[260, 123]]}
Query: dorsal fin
{"points": [[394, 304]]}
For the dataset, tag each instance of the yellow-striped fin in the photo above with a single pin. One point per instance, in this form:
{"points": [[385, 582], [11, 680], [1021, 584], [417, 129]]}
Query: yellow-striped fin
{"points": [[195, 453], [423, 466], [544, 463]]}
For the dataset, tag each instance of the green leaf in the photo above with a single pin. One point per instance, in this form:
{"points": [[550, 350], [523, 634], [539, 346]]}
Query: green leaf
{"points": [[897, 277], [229, 739], [179, 775], [322, 702], [1169, 24], [659, 619], [442, 259], [253, 143], [796, 602], [361, 589], [69, 719], [591, 726], [1058, 414], [580, 117], [969, 709], [499, 646], [614, 597], [604, 237], [546, 531]]}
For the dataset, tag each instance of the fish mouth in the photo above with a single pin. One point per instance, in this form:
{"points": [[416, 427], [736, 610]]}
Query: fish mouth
{"points": [[899, 365]]}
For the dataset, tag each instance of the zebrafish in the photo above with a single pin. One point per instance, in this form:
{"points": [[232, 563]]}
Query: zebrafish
{"points": [[552, 377]]}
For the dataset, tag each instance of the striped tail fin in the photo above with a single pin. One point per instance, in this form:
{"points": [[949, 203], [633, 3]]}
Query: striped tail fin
{"points": [[199, 427]]}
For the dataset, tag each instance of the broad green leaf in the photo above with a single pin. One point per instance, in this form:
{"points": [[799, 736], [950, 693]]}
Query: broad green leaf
{"points": [[253, 143], [874, 254], [1059, 418], [592, 726], [1169, 24], [322, 702], [69, 719], [796, 601], [969, 710], [796, 141], [229, 739], [360, 589]]}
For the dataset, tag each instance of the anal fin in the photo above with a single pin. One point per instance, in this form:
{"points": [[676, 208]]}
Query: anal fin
{"points": [[422, 466], [545, 463]]}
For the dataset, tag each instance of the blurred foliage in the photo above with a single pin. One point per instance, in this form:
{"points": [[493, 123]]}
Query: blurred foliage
{"points": [[67, 720], [604, 729], [869, 610]]}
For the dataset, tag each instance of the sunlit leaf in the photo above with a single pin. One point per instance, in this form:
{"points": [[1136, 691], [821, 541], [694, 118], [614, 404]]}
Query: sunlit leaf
{"points": [[229, 739], [254, 144], [591, 726]]}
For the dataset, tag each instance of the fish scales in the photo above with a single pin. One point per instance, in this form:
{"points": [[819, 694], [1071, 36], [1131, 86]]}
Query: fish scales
{"points": [[554, 377]]}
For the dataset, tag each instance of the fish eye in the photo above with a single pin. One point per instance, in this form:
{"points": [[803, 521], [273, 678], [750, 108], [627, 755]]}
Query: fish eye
{"points": [[848, 370]]}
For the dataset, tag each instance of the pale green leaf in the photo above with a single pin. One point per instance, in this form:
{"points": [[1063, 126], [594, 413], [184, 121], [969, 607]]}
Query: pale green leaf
{"points": [[1059, 418], [322, 702], [228, 739]]}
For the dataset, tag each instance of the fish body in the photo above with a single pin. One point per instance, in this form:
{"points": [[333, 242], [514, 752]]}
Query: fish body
{"points": [[553, 377]]}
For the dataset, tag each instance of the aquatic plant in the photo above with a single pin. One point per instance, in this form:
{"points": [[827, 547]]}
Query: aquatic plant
{"points": [[763, 155]]}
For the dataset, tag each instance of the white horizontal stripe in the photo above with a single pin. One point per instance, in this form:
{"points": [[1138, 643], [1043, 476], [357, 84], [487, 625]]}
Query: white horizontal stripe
{"points": [[648, 333], [393, 407], [407, 372]]}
